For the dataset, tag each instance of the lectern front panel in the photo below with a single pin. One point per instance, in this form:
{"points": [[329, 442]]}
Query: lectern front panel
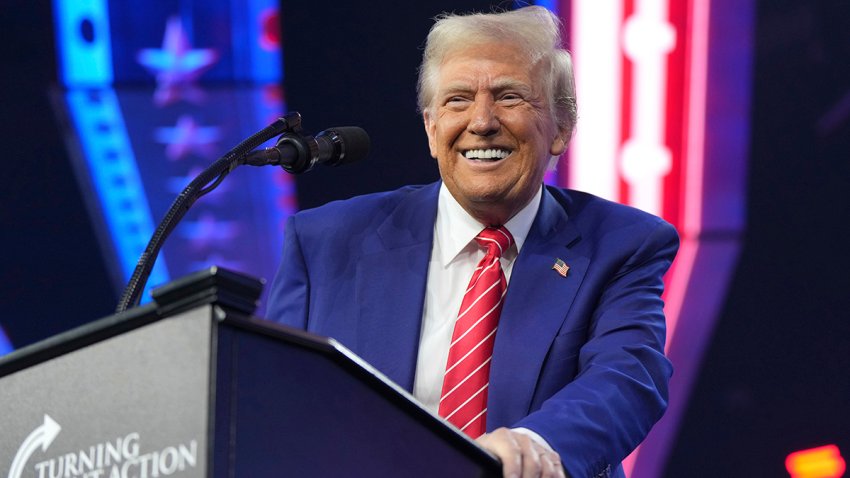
{"points": [[134, 405], [307, 410]]}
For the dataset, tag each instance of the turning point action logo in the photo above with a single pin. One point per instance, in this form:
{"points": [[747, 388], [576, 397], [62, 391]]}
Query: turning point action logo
{"points": [[118, 458]]}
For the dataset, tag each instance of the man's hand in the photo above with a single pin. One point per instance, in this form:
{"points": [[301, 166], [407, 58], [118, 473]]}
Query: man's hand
{"points": [[521, 456]]}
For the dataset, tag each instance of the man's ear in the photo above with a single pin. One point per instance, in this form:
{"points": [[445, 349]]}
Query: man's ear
{"points": [[430, 130], [560, 142]]}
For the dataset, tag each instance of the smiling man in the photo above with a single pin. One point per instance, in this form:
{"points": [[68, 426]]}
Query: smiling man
{"points": [[529, 317]]}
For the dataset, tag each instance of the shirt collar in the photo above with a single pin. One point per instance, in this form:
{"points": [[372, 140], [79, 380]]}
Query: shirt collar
{"points": [[455, 229]]}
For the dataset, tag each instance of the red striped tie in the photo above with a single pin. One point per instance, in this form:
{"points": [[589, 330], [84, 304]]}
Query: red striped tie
{"points": [[464, 398]]}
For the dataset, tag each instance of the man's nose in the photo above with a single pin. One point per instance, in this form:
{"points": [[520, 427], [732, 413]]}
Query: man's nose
{"points": [[483, 120]]}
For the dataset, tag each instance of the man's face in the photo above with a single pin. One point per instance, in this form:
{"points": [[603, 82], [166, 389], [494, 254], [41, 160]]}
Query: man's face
{"points": [[491, 130]]}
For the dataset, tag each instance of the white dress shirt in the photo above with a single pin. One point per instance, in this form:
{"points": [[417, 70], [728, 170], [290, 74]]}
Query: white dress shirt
{"points": [[454, 256]]}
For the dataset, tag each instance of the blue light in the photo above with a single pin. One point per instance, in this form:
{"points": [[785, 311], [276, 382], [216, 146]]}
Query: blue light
{"points": [[85, 51], [254, 57], [551, 5], [5, 345], [115, 177]]}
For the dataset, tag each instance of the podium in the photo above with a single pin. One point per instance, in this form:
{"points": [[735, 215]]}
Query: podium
{"points": [[192, 385]]}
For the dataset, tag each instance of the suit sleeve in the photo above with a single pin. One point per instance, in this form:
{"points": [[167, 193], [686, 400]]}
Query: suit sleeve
{"points": [[620, 389], [290, 292]]}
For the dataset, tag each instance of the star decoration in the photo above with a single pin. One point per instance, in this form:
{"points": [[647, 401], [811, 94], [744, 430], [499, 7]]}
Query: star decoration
{"points": [[187, 137], [176, 65]]}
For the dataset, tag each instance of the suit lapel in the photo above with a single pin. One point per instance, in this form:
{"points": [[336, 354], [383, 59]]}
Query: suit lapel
{"points": [[536, 305], [391, 287]]}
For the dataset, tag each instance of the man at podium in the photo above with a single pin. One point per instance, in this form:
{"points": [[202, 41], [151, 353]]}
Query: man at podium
{"points": [[529, 317]]}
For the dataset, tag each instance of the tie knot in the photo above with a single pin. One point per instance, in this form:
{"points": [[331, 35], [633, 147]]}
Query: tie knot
{"points": [[496, 240]]}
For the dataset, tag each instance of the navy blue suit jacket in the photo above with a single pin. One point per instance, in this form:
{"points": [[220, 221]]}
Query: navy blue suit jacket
{"points": [[577, 359]]}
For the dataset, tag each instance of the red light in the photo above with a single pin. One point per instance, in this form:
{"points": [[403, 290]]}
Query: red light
{"points": [[270, 33], [821, 462]]}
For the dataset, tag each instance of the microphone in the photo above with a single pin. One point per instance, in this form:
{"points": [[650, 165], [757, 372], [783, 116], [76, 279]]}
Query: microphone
{"points": [[297, 153]]}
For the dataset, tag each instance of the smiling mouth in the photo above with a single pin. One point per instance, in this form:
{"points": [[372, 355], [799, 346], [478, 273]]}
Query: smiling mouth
{"points": [[493, 154]]}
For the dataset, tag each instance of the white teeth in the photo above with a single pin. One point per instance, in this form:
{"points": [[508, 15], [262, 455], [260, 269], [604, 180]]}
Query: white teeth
{"points": [[487, 154]]}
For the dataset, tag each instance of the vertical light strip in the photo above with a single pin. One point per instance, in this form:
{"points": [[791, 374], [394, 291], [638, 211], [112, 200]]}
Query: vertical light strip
{"points": [[86, 70], [596, 52], [657, 447], [85, 48], [646, 159], [114, 174], [697, 68]]}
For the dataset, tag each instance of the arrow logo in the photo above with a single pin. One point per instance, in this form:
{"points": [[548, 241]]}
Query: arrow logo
{"points": [[42, 437]]}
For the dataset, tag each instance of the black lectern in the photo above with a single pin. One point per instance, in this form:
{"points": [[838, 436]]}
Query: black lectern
{"points": [[192, 385]]}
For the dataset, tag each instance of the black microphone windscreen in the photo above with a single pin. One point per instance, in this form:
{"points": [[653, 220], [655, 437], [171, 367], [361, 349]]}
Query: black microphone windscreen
{"points": [[355, 142]]}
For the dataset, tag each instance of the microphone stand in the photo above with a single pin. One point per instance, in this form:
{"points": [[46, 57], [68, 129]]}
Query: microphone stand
{"points": [[205, 182]]}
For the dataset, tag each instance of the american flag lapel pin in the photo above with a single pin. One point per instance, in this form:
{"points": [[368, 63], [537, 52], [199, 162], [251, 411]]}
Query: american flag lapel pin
{"points": [[561, 267]]}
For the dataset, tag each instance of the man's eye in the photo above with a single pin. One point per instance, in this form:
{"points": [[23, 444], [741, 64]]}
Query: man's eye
{"points": [[456, 102], [510, 97]]}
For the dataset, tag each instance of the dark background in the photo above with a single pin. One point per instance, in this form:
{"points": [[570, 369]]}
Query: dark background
{"points": [[775, 377]]}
